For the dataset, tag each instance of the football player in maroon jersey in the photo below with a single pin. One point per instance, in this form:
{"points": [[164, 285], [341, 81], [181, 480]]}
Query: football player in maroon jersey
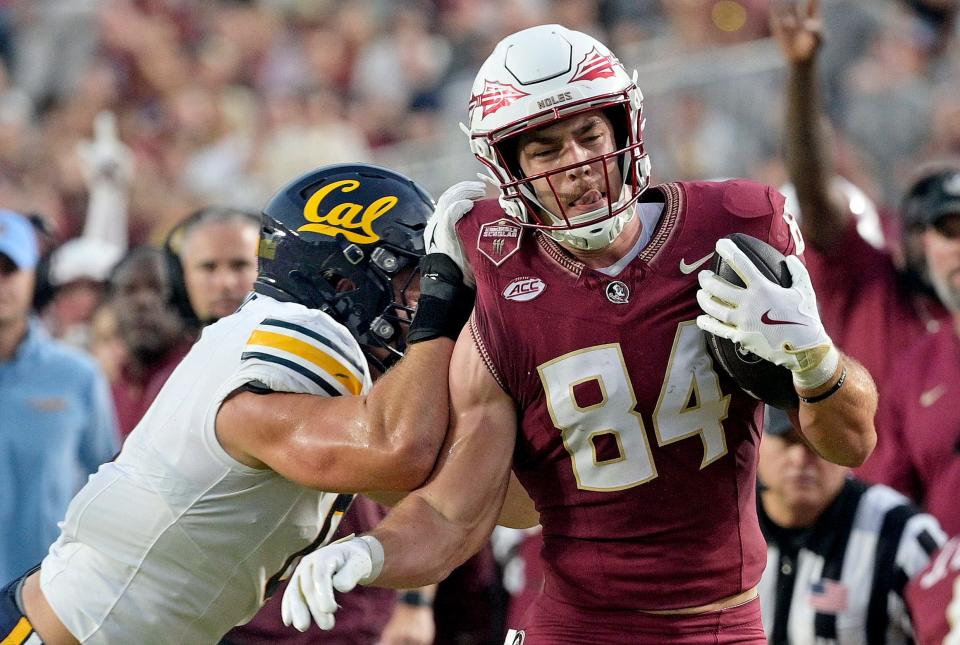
{"points": [[585, 369]]}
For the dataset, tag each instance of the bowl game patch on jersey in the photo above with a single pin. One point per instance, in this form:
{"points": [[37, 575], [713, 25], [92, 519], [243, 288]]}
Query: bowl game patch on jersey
{"points": [[499, 240]]}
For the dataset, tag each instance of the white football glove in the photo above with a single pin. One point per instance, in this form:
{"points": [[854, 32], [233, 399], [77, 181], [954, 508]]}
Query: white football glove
{"points": [[779, 324], [341, 565], [440, 235]]}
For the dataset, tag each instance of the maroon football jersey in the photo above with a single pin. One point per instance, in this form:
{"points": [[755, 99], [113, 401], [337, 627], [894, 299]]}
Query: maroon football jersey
{"points": [[919, 454], [930, 593], [870, 313], [639, 455]]}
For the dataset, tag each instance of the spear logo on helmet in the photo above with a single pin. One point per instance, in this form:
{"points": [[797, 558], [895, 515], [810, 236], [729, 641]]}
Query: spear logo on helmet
{"points": [[495, 96], [593, 66]]}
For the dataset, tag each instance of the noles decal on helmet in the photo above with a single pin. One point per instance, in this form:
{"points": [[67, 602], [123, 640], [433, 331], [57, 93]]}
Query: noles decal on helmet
{"points": [[353, 221]]}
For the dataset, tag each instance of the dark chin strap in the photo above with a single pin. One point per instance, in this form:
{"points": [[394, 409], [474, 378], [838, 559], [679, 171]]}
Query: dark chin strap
{"points": [[308, 300], [277, 294]]}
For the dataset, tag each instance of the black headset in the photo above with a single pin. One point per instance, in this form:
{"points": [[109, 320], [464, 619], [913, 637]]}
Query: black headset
{"points": [[42, 289], [173, 244]]}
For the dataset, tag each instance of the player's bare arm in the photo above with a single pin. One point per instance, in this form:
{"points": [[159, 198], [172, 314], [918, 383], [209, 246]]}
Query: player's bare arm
{"points": [[840, 427], [386, 440], [798, 26], [435, 528], [459, 505], [518, 512]]}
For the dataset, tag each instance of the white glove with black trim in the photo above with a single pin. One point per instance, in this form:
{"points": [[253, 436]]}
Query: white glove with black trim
{"points": [[440, 236], [341, 565], [779, 324]]}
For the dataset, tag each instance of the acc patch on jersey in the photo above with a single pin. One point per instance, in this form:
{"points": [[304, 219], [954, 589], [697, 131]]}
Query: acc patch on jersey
{"points": [[523, 289], [499, 240]]}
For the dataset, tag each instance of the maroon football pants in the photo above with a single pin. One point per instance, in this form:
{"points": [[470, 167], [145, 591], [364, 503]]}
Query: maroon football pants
{"points": [[551, 622]]}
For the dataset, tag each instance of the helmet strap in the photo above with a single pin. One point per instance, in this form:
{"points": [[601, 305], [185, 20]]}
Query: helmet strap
{"points": [[580, 240]]}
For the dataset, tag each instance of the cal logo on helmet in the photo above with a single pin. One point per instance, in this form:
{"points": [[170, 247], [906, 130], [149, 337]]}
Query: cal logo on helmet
{"points": [[353, 221], [346, 239]]}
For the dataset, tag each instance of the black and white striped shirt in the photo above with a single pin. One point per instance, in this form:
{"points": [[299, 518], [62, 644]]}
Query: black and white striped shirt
{"points": [[841, 580]]}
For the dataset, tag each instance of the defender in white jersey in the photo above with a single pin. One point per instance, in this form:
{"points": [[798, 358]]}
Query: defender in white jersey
{"points": [[220, 486], [175, 511]]}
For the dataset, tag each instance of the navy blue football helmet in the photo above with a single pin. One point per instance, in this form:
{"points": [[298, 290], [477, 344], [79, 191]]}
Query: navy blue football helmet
{"points": [[345, 239]]}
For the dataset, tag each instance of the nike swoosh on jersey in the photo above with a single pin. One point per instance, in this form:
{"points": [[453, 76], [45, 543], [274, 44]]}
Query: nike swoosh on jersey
{"points": [[767, 320], [690, 268], [931, 396]]}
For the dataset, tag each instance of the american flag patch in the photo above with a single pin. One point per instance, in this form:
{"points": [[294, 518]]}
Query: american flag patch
{"points": [[828, 596]]}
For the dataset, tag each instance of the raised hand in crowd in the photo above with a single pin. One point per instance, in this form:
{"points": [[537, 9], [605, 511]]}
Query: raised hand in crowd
{"points": [[105, 158], [798, 28]]}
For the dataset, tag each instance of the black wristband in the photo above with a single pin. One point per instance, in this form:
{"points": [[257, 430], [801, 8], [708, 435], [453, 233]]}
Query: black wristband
{"points": [[445, 302], [414, 598], [828, 393], [436, 318]]}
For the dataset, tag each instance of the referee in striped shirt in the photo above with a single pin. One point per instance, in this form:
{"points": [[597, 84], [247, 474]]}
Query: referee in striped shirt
{"points": [[839, 551]]}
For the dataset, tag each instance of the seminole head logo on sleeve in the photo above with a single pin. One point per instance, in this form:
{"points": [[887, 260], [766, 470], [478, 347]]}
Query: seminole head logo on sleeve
{"points": [[329, 212]]}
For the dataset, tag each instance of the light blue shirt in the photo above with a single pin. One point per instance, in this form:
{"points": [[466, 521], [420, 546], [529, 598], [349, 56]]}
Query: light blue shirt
{"points": [[57, 425]]}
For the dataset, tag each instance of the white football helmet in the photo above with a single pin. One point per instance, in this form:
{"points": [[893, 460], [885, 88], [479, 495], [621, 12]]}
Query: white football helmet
{"points": [[535, 78]]}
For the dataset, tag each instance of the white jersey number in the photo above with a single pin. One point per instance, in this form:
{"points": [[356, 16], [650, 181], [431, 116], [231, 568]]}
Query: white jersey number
{"points": [[690, 404]]}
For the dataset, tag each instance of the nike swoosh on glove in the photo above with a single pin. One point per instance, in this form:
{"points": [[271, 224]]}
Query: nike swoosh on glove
{"points": [[779, 324], [341, 565], [440, 236]]}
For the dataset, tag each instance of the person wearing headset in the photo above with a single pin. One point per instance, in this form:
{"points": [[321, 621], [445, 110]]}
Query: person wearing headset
{"points": [[213, 260]]}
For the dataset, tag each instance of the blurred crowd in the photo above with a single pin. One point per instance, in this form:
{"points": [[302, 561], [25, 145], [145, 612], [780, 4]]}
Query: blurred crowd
{"points": [[148, 124], [223, 101]]}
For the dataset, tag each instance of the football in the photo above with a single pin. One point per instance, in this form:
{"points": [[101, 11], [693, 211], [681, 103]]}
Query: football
{"points": [[759, 378]]}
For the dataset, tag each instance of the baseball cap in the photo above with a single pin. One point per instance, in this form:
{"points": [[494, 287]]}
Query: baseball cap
{"points": [[83, 258], [776, 422], [931, 197], [18, 241]]}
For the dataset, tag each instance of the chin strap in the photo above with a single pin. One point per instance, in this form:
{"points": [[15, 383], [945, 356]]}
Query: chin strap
{"points": [[590, 242]]}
